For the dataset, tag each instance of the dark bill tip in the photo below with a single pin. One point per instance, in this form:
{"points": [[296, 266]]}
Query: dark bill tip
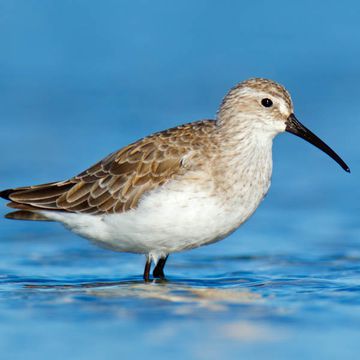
{"points": [[294, 126]]}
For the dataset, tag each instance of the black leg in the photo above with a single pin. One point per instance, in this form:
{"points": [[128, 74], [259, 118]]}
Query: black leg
{"points": [[159, 268], [147, 269]]}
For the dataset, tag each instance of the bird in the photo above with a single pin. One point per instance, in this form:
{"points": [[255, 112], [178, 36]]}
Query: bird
{"points": [[177, 189]]}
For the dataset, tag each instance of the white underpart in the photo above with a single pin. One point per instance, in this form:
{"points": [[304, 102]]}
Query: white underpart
{"points": [[182, 214], [167, 220]]}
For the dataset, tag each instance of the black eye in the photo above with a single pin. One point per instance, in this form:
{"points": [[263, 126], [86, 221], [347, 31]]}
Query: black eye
{"points": [[266, 102]]}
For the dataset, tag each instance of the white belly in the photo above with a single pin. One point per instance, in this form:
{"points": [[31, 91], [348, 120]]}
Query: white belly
{"points": [[171, 219]]}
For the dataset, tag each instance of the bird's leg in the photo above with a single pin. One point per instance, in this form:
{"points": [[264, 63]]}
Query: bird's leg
{"points": [[159, 268], [147, 269]]}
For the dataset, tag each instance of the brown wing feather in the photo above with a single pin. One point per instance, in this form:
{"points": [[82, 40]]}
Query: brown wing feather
{"points": [[117, 183]]}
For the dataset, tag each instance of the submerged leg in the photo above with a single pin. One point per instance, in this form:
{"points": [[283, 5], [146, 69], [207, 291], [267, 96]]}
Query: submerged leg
{"points": [[147, 269], [159, 268]]}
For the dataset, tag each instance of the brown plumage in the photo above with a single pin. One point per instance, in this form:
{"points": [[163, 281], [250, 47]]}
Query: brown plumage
{"points": [[199, 182], [116, 183]]}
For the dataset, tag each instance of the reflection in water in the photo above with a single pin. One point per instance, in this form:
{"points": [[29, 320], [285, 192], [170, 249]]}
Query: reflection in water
{"points": [[186, 301], [215, 299], [246, 331]]}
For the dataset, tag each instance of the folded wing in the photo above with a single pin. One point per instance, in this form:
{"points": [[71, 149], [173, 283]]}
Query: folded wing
{"points": [[117, 183]]}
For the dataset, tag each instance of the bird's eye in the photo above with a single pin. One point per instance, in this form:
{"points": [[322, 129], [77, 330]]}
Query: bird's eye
{"points": [[266, 102]]}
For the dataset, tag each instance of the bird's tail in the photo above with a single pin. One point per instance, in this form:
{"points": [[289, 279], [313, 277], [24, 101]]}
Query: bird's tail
{"points": [[26, 215], [30, 201]]}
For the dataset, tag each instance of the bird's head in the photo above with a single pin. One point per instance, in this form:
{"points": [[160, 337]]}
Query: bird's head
{"points": [[264, 108]]}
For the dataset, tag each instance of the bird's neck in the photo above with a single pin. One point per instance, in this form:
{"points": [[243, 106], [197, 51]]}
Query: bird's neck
{"points": [[244, 142], [246, 160]]}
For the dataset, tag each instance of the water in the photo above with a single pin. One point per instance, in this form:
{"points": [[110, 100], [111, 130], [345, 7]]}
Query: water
{"points": [[81, 80]]}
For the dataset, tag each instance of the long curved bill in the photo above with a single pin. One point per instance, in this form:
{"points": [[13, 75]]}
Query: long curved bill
{"points": [[294, 126]]}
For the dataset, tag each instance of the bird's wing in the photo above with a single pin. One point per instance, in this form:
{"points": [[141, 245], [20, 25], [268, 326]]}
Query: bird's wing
{"points": [[116, 183]]}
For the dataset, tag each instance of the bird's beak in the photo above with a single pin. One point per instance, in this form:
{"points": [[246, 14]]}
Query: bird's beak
{"points": [[295, 127]]}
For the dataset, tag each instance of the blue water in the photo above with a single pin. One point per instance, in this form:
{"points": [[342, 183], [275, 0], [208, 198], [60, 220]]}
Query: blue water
{"points": [[79, 79]]}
